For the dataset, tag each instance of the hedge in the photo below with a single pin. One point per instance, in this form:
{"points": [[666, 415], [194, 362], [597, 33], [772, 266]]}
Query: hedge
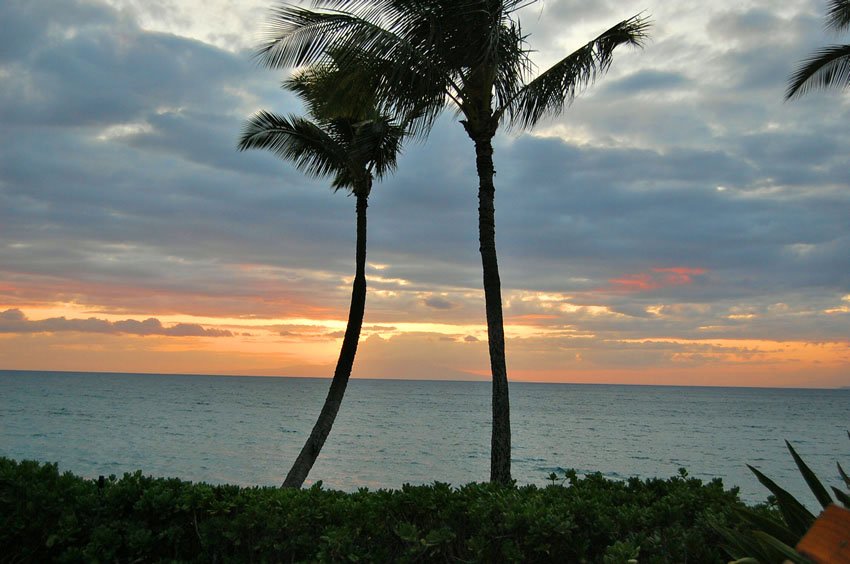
{"points": [[48, 516]]}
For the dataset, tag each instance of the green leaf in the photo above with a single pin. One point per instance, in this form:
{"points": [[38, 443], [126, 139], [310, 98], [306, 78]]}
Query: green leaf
{"points": [[842, 497], [768, 525], [844, 475], [407, 532], [781, 548], [796, 516], [814, 483], [744, 546]]}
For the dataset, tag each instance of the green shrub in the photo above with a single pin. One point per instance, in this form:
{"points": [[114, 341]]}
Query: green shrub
{"points": [[48, 516]]}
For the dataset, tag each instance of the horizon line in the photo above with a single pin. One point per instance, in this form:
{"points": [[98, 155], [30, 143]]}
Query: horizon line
{"points": [[482, 381]]}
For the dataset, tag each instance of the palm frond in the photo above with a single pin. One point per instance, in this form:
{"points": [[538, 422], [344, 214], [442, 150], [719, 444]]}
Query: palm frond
{"points": [[838, 15], [295, 139], [298, 36], [328, 93], [556, 88], [513, 63], [379, 143], [826, 68], [381, 42]]}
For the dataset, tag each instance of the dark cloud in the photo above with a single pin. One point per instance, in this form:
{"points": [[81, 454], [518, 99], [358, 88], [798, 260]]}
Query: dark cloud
{"points": [[120, 184], [646, 80], [14, 321], [437, 302]]}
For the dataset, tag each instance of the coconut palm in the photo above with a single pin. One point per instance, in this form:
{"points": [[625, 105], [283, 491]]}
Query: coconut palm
{"points": [[470, 54], [353, 148], [829, 66]]}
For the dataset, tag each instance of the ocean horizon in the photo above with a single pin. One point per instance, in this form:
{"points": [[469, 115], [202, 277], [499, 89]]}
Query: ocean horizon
{"points": [[482, 380], [247, 430]]}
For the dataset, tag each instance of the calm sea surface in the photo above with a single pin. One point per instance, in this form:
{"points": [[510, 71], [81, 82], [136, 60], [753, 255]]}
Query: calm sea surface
{"points": [[246, 430]]}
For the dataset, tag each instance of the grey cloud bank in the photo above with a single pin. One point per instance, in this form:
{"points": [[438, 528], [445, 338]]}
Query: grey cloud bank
{"points": [[14, 321], [118, 170]]}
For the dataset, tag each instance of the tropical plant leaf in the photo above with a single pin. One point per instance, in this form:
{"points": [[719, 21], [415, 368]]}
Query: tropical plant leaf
{"points": [[298, 140], [812, 480], [378, 45], [827, 67], [844, 475], [768, 525], [745, 547], [796, 516], [781, 548], [557, 86], [842, 497], [838, 15]]}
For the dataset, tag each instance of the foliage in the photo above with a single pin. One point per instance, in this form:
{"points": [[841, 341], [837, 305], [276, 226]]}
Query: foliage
{"points": [[52, 516], [829, 66], [771, 536]]}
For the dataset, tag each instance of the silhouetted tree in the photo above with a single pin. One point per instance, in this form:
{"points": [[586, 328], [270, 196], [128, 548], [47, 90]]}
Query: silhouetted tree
{"points": [[352, 144], [470, 54], [830, 66]]}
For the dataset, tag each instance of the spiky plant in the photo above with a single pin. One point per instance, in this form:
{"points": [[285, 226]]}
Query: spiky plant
{"points": [[771, 541]]}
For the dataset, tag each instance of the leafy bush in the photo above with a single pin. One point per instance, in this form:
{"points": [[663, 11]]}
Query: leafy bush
{"points": [[52, 516]]}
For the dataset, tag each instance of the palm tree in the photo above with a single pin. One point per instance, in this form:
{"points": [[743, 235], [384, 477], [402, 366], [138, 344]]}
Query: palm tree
{"points": [[352, 148], [470, 54], [829, 66]]}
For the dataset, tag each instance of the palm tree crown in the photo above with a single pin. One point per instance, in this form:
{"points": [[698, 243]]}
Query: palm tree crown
{"points": [[352, 148], [827, 67], [435, 50]]}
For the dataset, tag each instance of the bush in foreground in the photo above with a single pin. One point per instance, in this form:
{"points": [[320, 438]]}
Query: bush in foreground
{"points": [[51, 516]]}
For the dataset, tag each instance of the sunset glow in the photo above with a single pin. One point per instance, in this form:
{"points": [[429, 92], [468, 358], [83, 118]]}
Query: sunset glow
{"points": [[679, 224]]}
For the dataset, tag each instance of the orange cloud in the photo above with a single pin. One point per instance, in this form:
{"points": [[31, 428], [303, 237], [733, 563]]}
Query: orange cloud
{"points": [[654, 279]]}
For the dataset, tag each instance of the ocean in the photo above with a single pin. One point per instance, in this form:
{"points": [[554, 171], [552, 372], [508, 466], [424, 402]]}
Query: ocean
{"points": [[248, 430]]}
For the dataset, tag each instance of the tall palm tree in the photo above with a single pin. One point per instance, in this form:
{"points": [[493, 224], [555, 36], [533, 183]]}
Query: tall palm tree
{"points": [[829, 66], [353, 148], [470, 54]]}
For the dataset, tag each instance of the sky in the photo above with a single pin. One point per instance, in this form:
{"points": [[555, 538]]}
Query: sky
{"points": [[679, 223]]}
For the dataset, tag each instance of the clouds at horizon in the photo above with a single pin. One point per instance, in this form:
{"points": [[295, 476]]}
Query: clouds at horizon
{"points": [[678, 198], [14, 321]]}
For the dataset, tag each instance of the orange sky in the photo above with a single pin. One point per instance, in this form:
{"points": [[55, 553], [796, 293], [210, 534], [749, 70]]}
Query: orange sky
{"points": [[547, 342]]}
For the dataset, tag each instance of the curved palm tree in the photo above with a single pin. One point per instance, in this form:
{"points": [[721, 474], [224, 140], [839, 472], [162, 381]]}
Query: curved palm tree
{"points": [[470, 54], [352, 148], [829, 66]]}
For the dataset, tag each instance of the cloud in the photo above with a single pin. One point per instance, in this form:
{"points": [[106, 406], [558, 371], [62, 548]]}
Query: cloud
{"points": [[121, 189], [656, 279], [650, 80], [437, 302], [14, 321], [426, 356]]}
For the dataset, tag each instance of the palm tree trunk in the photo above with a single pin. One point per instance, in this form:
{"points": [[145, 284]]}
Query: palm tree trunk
{"points": [[500, 442], [310, 452]]}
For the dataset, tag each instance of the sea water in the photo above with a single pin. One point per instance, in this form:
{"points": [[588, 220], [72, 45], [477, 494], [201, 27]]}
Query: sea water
{"points": [[248, 430]]}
